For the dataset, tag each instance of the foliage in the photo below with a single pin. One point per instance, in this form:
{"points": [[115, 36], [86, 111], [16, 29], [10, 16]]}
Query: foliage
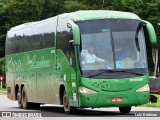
{"points": [[154, 104], [71, 6], [2, 66], [15, 12]]}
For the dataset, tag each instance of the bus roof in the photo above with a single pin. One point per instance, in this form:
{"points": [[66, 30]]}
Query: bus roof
{"points": [[102, 14], [86, 15]]}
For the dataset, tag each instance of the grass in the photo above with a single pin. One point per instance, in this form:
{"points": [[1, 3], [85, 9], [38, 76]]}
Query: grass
{"points": [[3, 89], [154, 104]]}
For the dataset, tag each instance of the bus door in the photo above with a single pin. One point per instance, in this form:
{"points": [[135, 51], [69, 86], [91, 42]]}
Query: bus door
{"points": [[65, 59], [73, 76]]}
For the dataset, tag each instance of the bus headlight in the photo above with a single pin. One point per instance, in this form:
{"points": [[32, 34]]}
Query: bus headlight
{"points": [[144, 88], [85, 90]]}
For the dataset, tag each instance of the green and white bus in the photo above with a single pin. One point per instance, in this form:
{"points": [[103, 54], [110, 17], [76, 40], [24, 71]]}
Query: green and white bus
{"points": [[93, 58]]}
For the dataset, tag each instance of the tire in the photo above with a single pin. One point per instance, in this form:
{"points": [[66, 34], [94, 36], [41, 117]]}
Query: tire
{"points": [[19, 100], [125, 110], [24, 99], [35, 105], [67, 108]]}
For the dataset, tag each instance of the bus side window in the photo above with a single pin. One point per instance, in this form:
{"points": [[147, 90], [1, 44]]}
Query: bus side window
{"points": [[63, 37]]}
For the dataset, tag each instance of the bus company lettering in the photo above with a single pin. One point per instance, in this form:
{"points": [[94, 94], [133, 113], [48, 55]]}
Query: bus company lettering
{"points": [[39, 64], [136, 79]]}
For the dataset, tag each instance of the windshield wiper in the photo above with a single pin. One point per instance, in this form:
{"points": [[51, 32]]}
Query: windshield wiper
{"points": [[130, 71], [106, 70]]}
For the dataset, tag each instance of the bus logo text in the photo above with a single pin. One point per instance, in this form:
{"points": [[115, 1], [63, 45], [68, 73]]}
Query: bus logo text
{"points": [[136, 79], [39, 64]]}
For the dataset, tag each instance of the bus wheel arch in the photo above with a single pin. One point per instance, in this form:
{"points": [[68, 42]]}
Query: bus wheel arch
{"points": [[61, 92], [16, 91], [21, 87]]}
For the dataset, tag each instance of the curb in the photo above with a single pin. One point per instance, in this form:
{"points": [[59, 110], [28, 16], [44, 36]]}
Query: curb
{"points": [[3, 92]]}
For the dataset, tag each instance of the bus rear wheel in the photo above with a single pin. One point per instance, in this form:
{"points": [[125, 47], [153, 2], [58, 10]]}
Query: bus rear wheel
{"points": [[19, 100], [125, 110], [67, 108], [24, 100]]}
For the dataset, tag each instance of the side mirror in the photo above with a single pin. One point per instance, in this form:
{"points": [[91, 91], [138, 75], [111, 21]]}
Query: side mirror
{"points": [[76, 32], [151, 32]]}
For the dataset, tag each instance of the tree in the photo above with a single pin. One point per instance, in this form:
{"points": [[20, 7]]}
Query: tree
{"points": [[2, 66], [73, 5], [15, 12]]}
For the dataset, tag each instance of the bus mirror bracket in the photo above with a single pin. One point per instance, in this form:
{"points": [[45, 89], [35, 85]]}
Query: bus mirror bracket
{"points": [[151, 32], [76, 32]]}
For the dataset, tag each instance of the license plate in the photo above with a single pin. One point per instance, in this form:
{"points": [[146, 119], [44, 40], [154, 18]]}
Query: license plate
{"points": [[117, 99]]}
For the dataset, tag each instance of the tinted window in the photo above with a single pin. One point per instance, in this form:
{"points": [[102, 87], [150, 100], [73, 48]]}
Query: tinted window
{"points": [[37, 36], [64, 34]]}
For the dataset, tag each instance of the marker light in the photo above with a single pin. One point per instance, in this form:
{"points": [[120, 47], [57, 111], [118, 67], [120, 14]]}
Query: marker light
{"points": [[144, 88], [85, 90]]}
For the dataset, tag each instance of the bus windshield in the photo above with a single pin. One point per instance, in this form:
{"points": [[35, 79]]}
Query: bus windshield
{"points": [[112, 44]]}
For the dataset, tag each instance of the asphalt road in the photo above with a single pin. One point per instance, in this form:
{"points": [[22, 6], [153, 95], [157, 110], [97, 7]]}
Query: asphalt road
{"points": [[56, 112]]}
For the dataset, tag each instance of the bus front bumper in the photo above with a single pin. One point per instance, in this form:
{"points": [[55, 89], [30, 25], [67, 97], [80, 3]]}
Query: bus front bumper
{"points": [[105, 100]]}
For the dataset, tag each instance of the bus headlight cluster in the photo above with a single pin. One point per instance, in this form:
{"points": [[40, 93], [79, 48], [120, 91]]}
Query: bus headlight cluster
{"points": [[85, 90], [144, 88]]}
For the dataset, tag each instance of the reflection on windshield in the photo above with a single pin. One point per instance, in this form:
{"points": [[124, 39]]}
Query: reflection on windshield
{"points": [[96, 55], [127, 53], [107, 44]]}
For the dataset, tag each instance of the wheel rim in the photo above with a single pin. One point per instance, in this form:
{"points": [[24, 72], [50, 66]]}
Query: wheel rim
{"points": [[65, 102], [18, 98]]}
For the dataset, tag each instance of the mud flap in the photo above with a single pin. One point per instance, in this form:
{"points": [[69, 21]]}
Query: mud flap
{"points": [[153, 99]]}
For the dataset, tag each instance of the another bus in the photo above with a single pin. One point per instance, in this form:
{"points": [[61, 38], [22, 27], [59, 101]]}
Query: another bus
{"points": [[94, 59], [154, 85]]}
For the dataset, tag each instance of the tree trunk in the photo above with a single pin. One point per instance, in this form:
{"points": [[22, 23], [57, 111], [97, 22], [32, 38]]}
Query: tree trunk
{"points": [[155, 60]]}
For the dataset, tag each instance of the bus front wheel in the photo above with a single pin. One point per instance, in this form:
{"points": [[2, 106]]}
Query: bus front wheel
{"points": [[67, 108], [125, 110], [35, 105]]}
